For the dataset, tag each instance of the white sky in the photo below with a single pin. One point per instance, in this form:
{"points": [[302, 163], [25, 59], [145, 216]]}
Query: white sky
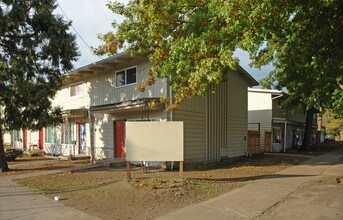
{"points": [[91, 17]]}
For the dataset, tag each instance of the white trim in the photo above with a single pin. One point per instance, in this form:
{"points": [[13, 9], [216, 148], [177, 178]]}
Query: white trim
{"points": [[125, 69], [272, 91]]}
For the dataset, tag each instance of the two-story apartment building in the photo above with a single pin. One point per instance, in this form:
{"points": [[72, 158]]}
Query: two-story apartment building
{"points": [[98, 98], [20, 138], [283, 127]]}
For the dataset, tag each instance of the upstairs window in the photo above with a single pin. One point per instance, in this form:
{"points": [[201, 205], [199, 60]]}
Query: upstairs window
{"points": [[126, 77], [76, 90]]}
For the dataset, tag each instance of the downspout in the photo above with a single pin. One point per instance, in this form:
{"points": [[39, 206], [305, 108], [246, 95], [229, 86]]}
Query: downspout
{"points": [[91, 131], [207, 130], [171, 113], [170, 101], [74, 134], [285, 138], [271, 138]]}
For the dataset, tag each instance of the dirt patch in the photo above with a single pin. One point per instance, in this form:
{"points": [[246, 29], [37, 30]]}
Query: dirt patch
{"points": [[105, 193], [26, 164]]}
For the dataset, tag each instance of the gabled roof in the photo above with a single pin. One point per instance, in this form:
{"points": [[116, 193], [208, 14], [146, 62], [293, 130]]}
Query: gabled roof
{"points": [[116, 60], [123, 58], [251, 80]]}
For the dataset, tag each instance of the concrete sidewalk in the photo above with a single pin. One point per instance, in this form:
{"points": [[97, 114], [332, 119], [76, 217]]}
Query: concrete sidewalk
{"points": [[17, 202], [254, 200]]}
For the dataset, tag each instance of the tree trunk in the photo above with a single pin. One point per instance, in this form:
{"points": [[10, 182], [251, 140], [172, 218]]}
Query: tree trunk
{"points": [[308, 130], [319, 128], [3, 160]]}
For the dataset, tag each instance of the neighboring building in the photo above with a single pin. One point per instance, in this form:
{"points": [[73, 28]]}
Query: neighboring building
{"points": [[97, 100], [23, 139], [280, 126]]}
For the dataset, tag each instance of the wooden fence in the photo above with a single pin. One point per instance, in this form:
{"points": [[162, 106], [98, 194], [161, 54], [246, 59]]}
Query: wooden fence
{"points": [[253, 142], [267, 141]]}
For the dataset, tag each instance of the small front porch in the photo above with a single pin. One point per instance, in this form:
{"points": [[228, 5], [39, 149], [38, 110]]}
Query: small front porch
{"points": [[286, 134], [107, 132]]}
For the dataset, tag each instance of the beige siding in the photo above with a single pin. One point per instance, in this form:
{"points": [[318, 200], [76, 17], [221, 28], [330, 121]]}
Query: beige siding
{"points": [[259, 107], [216, 126], [217, 112], [64, 100], [237, 118], [260, 111], [237, 137], [192, 113], [102, 87], [259, 101], [103, 136]]}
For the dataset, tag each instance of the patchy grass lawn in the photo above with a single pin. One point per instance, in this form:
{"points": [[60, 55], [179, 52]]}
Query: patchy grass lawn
{"points": [[105, 193]]}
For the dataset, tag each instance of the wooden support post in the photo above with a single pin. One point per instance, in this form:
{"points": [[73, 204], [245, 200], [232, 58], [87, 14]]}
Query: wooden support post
{"points": [[128, 168], [181, 169]]}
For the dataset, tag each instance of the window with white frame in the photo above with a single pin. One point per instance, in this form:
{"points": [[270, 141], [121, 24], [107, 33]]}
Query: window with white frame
{"points": [[126, 77], [62, 134], [49, 135], [76, 90]]}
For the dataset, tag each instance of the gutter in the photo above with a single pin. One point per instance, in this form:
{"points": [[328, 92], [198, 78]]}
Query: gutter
{"points": [[276, 97]]}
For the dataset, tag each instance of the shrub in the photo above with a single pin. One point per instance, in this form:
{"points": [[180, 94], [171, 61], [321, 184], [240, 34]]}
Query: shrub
{"points": [[13, 153], [34, 153]]}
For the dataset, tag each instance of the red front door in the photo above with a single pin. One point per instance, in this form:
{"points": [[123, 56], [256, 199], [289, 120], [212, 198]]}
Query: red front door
{"points": [[41, 139], [119, 127], [25, 138]]}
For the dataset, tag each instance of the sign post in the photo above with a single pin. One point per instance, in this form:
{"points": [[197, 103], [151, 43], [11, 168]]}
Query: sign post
{"points": [[128, 170]]}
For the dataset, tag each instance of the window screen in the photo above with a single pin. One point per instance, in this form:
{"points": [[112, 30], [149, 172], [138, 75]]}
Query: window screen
{"points": [[120, 78]]}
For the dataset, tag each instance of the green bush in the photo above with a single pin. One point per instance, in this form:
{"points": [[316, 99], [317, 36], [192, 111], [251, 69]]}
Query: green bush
{"points": [[34, 153], [13, 153]]}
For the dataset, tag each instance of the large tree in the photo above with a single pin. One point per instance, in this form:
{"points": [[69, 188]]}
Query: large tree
{"points": [[36, 50], [307, 53], [193, 42], [189, 42]]}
